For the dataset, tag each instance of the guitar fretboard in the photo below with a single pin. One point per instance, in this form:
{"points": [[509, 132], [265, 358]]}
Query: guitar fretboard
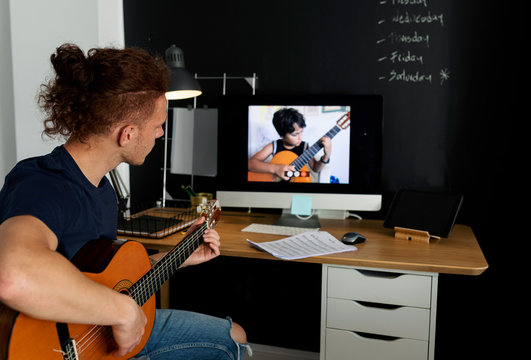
{"points": [[310, 153], [150, 283]]}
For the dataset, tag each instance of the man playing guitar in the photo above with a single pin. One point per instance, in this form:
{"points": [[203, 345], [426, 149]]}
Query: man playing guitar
{"points": [[110, 105]]}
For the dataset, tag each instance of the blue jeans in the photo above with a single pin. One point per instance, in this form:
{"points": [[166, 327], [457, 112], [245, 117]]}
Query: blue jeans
{"points": [[187, 335]]}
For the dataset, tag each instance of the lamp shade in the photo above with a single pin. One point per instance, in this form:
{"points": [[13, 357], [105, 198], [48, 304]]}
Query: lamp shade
{"points": [[183, 84]]}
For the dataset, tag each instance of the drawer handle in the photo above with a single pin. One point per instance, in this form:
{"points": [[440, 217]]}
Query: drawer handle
{"points": [[379, 274], [378, 305], [376, 336]]}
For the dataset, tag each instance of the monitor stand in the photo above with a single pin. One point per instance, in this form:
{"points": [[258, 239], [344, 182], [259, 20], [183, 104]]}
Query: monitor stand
{"points": [[287, 219]]}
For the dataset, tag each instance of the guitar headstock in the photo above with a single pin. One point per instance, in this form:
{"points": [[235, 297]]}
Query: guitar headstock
{"points": [[344, 121], [211, 211]]}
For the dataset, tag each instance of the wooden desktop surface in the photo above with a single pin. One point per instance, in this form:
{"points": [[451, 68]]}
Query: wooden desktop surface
{"points": [[458, 254]]}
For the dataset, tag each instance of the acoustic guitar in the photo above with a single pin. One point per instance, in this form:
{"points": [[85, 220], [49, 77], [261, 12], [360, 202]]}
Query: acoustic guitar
{"points": [[302, 172], [121, 265]]}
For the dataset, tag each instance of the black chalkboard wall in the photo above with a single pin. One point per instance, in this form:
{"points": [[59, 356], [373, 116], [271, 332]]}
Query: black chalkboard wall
{"points": [[421, 55]]}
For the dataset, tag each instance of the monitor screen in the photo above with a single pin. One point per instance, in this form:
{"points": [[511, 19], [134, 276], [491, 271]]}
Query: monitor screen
{"points": [[271, 147], [276, 140]]}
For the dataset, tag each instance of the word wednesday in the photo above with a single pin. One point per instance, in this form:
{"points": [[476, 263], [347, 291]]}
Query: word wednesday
{"points": [[407, 18]]}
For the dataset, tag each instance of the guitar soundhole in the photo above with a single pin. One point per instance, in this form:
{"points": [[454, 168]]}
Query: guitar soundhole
{"points": [[124, 291], [123, 286]]}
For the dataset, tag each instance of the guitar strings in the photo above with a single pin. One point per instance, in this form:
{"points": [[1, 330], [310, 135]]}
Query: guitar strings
{"points": [[305, 157], [95, 332], [164, 267], [87, 340], [101, 333]]}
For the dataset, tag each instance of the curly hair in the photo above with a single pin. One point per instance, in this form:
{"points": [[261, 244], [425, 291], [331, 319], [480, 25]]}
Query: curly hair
{"points": [[91, 94]]}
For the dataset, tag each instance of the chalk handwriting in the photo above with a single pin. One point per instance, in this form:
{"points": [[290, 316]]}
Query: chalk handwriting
{"points": [[403, 76], [406, 57], [403, 57], [414, 38], [410, 2], [410, 18], [407, 31]]}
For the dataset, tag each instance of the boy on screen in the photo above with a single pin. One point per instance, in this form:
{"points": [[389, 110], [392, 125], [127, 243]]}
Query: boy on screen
{"points": [[289, 124]]}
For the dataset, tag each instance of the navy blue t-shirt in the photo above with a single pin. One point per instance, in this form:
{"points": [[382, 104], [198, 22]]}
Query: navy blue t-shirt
{"points": [[53, 189]]}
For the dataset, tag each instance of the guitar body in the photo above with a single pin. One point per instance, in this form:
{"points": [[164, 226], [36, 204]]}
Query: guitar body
{"points": [[287, 157], [256, 176], [284, 157], [122, 265]]}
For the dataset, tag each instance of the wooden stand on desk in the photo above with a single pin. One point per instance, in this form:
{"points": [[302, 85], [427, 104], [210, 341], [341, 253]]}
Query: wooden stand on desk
{"points": [[414, 235]]}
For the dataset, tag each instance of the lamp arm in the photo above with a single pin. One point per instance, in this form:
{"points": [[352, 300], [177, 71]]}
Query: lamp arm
{"points": [[165, 156], [120, 188]]}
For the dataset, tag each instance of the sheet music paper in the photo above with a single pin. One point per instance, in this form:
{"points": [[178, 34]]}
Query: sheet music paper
{"points": [[307, 244]]}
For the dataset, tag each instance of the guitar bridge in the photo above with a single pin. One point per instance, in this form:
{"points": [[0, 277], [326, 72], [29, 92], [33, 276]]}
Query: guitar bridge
{"points": [[68, 345], [69, 351]]}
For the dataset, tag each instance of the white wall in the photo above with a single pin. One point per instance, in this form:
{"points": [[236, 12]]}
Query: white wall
{"points": [[30, 32], [7, 123]]}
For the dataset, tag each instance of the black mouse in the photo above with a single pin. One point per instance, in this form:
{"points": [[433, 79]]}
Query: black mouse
{"points": [[353, 238]]}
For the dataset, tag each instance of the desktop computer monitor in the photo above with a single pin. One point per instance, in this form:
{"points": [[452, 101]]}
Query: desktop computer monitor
{"points": [[350, 181]]}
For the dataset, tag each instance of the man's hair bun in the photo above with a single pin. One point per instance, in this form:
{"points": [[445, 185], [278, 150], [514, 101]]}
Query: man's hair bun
{"points": [[71, 66]]}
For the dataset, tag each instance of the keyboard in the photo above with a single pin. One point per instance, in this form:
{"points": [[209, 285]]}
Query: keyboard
{"points": [[276, 229]]}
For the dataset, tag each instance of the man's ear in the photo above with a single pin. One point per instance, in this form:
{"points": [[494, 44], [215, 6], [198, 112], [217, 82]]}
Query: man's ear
{"points": [[126, 134]]}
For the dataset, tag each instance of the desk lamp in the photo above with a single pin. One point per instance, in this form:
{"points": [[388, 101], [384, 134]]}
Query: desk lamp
{"points": [[183, 85]]}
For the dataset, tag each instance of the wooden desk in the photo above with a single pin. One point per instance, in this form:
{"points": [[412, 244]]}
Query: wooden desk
{"points": [[458, 254], [383, 270]]}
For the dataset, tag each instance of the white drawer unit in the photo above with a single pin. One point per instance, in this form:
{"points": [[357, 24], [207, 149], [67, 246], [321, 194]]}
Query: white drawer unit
{"points": [[346, 345], [405, 322], [379, 286], [377, 314]]}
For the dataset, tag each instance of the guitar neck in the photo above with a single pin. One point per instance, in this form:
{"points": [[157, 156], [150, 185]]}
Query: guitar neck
{"points": [[306, 156], [149, 284]]}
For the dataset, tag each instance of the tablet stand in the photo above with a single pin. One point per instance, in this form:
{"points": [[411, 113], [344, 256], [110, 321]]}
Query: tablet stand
{"points": [[414, 235]]}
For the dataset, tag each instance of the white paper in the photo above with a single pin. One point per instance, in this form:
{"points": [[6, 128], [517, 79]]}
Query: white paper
{"points": [[310, 243]]}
